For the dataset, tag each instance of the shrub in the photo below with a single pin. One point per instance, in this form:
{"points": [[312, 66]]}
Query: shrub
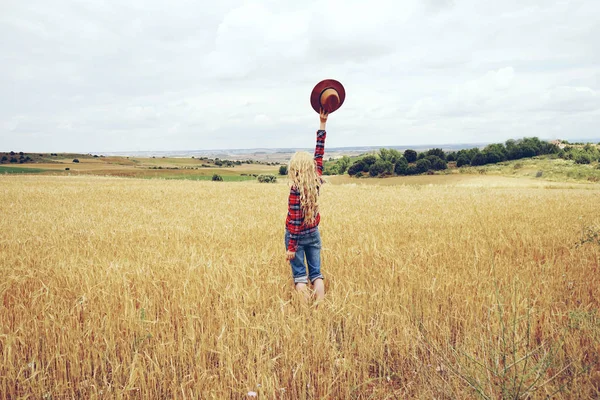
{"points": [[401, 166], [463, 160], [410, 155], [357, 167], [437, 152], [380, 167], [583, 158], [494, 157], [412, 170], [283, 170], [217, 178], [436, 162], [67, 169], [13, 160], [4, 159], [267, 178], [369, 160], [423, 165], [479, 159], [75, 160], [539, 174]]}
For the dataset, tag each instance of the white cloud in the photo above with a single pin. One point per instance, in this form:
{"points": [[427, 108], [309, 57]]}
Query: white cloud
{"points": [[100, 76]]}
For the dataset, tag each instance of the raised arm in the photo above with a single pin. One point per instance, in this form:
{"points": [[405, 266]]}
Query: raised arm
{"points": [[320, 147]]}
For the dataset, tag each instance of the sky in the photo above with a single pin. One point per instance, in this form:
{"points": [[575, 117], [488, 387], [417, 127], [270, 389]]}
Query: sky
{"points": [[148, 75]]}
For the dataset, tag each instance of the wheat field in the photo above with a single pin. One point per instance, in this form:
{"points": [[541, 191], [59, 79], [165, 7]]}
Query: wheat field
{"points": [[127, 288]]}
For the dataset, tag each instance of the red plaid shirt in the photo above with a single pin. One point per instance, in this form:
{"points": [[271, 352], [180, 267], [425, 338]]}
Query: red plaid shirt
{"points": [[294, 222]]}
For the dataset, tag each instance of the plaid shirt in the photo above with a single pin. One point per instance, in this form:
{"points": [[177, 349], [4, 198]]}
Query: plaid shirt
{"points": [[294, 222]]}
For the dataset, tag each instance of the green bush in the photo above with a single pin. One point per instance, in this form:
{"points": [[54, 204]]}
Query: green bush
{"points": [[410, 155], [437, 163], [583, 158], [479, 159], [380, 167], [357, 167], [412, 170], [75, 160], [423, 165], [463, 159], [217, 178], [283, 170], [263, 178], [401, 166]]}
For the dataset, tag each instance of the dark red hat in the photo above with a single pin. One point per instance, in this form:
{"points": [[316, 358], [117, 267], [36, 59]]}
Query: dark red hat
{"points": [[328, 94]]}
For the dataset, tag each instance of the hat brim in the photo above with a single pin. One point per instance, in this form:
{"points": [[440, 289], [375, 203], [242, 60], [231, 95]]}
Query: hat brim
{"points": [[315, 96]]}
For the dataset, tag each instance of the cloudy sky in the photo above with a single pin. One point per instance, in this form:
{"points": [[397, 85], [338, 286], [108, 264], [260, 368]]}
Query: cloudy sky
{"points": [[129, 75]]}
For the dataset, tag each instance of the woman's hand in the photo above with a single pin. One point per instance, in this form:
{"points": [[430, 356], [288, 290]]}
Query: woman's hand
{"points": [[323, 118], [290, 255]]}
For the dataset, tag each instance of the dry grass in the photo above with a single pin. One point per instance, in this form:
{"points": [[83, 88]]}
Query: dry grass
{"points": [[130, 288]]}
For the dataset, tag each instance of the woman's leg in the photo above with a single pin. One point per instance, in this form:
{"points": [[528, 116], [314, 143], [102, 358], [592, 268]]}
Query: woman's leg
{"points": [[313, 259], [319, 287]]}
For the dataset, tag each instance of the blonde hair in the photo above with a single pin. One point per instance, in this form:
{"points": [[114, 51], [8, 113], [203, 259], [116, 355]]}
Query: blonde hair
{"points": [[302, 174]]}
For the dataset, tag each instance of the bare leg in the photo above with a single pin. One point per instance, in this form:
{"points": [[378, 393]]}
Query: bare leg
{"points": [[303, 289], [319, 287]]}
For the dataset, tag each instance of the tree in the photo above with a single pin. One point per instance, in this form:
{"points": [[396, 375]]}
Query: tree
{"points": [[380, 167], [451, 156], [462, 160], [357, 167], [528, 151], [391, 155], [4, 159], [369, 160], [497, 148], [412, 170], [493, 157], [423, 165], [343, 164], [401, 166], [479, 159], [217, 178], [437, 163], [75, 160], [410, 155], [283, 170], [437, 152]]}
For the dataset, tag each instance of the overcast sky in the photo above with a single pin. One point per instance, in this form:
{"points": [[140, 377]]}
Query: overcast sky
{"points": [[128, 75]]}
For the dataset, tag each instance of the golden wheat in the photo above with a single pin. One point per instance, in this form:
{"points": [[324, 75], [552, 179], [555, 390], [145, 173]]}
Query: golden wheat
{"points": [[123, 288]]}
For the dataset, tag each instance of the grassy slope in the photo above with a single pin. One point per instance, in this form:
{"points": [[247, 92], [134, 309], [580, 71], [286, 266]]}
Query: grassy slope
{"points": [[542, 169]]}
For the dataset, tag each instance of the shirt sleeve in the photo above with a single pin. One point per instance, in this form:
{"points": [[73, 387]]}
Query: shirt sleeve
{"points": [[320, 150], [294, 219]]}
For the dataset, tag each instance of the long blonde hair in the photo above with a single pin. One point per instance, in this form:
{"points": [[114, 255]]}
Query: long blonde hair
{"points": [[302, 174]]}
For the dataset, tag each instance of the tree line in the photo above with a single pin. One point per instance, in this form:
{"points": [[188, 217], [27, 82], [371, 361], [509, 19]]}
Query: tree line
{"points": [[388, 162]]}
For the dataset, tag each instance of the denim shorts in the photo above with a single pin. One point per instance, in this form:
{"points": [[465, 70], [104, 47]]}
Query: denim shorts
{"points": [[309, 247]]}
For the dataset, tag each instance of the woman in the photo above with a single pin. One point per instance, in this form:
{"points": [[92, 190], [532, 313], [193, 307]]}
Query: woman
{"points": [[302, 238]]}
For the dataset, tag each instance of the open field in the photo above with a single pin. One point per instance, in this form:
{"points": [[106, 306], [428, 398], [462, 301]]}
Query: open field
{"points": [[136, 288], [147, 168]]}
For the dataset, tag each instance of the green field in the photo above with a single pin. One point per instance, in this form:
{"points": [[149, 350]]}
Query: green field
{"points": [[20, 170]]}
